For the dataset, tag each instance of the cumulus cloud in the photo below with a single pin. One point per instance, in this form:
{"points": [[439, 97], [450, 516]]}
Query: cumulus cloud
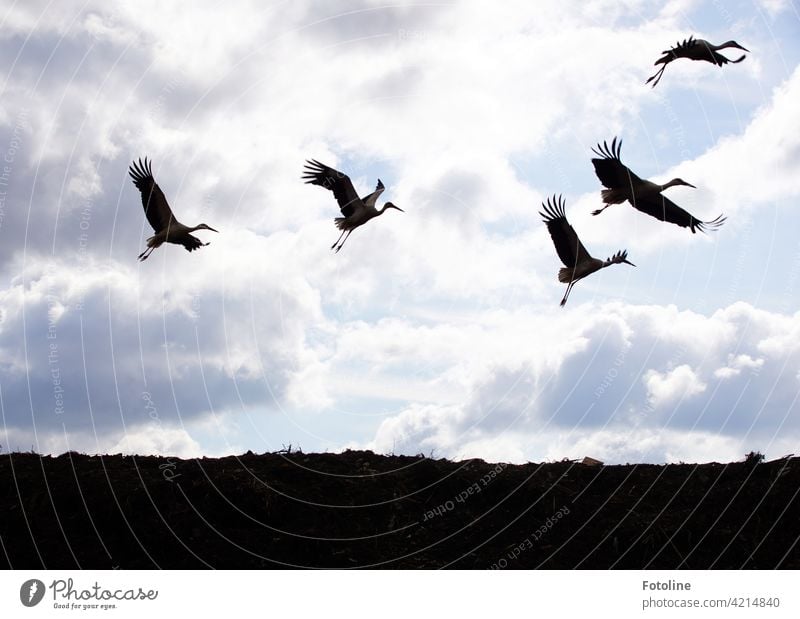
{"points": [[99, 349], [737, 363], [673, 386], [440, 318], [626, 385], [157, 440], [734, 180]]}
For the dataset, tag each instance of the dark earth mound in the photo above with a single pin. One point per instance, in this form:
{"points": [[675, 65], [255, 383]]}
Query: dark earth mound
{"points": [[359, 509]]}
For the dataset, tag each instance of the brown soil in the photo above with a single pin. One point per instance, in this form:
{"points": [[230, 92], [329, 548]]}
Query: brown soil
{"points": [[359, 509]]}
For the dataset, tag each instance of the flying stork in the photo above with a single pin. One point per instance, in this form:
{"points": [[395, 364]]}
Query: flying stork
{"points": [[695, 49], [577, 261], [356, 211], [159, 214], [622, 184]]}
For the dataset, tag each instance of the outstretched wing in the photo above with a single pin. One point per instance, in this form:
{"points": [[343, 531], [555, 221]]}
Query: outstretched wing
{"points": [[191, 242], [372, 198], [568, 245], [684, 49], [156, 207], [720, 60], [661, 207], [681, 49], [610, 169], [339, 183]]}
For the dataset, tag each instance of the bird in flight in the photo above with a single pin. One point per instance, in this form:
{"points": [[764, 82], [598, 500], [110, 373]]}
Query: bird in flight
{"points": [[355, 211], [577, 261], [694, 49], [159, 214], [622, 184]]}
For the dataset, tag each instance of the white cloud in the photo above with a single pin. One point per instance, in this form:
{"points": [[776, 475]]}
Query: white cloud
{"points": [[737, 363], [774, 7], [732, 180], [159, 441], [623, 387], [438, 311], [665, 389], [99, 347]]}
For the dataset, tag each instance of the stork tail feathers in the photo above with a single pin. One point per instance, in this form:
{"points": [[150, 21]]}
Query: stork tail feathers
{"points": [[565, 274], [613, 196]]}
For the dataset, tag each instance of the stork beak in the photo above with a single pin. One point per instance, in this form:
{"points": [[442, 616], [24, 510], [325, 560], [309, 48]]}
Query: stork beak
{"points": [[743, 48], [212, 229], [629, 262], [690, 185], [398, 208]]}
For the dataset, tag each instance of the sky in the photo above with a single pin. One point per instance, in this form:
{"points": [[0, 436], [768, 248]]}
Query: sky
{"points": [[434, 331]]}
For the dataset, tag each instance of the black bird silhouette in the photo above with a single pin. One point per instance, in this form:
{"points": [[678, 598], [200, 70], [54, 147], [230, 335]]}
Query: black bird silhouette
{"points": [[577, 261], [159, 214], [622, 184], [694, 49], [356, 211]]}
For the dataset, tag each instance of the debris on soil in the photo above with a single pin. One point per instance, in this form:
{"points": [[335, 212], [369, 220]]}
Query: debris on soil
{"points": [[361, 510]]}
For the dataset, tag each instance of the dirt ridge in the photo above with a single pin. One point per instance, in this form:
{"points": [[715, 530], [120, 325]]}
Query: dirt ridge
{"points": [[358, 509]]}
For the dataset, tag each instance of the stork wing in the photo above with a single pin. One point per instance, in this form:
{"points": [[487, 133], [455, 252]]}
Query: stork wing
{"points": [[720, 60], [679, 50], [682, 47], [372, 198], [191, 242], [339, 183], [661, 207], [156, 207], [610, 169], [568, 245]]}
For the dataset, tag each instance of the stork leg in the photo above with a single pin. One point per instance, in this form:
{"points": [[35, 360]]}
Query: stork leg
{"points": [[566, 294], [657, 76], [600, 210], [144, 255], [342, 243], [339, 239]]}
